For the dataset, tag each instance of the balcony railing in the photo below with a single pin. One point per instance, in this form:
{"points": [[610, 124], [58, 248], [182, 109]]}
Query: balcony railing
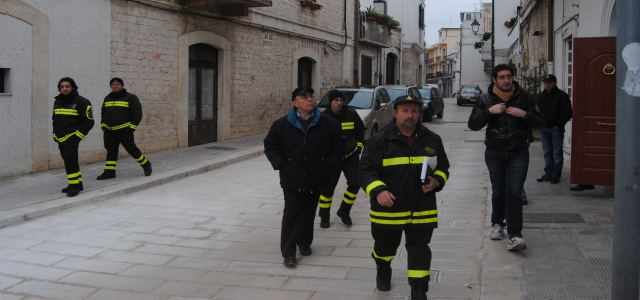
{"points": [[375, 33], [230, 8]]}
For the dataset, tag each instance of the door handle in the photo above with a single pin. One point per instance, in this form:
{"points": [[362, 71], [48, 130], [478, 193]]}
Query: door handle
{"points": [[606, 124]]}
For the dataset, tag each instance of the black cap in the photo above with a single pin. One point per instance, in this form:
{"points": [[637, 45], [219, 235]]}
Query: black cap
{"points": [[333, 94], [550, 78], [116, 79], [301, 92], [407, 99]]}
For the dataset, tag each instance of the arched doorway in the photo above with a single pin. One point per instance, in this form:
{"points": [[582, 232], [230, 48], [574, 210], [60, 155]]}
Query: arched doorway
{"points": [[305, 72], [203, 94], [392, 62]]}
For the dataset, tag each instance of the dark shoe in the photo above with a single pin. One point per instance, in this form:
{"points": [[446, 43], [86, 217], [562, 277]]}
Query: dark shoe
{"points": [[383, 278], [305, 250], [582, 187], [106, 175], [344, 217], [147, 169], [290, 262], [555, 180], [80, 186], [544, 178], [324, 223], [73, 191], [418, 292]]}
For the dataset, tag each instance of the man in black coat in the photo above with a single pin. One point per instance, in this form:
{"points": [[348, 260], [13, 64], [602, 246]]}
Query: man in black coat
{"points": [[121, 115], [509, 115], [555, 108], [305, 147]]}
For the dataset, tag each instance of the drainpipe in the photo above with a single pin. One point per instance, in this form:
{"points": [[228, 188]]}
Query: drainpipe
{"points": [[626, 234]]}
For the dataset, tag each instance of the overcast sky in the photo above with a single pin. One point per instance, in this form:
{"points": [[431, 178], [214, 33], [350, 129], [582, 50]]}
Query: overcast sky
{"points": [[446, 13]]}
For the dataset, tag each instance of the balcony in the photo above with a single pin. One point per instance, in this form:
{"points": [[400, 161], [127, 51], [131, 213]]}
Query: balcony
{"points": [[375, 33], [229, 8]]}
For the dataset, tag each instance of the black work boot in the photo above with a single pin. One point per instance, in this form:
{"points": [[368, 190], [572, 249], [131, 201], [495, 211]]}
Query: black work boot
{"points": [[324, 217], [73, 190], [419, 291], [344, 214], [383, 277], [107, 174], [147, 169], [80, 186]]}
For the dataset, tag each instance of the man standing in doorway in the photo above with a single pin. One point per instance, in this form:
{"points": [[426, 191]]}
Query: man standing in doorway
{"points": [[304, 146], [402, 200], [509, 114], [353, 140], [555, 108], [72, 120], [121, 115]]}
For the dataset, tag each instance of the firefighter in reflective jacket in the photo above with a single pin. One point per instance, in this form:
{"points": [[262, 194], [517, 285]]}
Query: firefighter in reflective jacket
{"points": [[121, 115], [391, 169], [72, 120], [352, 133]]}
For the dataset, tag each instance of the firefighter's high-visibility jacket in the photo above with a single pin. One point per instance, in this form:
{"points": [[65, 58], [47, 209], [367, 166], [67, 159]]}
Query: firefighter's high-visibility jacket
{"points": [[390, 163], [72, 117], [121, 110], [351, 129]]}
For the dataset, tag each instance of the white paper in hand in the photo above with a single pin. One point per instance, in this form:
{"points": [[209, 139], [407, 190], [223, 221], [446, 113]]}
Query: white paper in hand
{"points": [[429, 162]]}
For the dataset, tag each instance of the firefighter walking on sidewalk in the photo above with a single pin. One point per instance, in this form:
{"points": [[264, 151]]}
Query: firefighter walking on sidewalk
{"points": [[72, 120], [121, 115], [402, 196], [352, 132]]}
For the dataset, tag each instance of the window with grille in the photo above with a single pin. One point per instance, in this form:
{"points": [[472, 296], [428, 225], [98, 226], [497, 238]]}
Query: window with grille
{"points": [[569, 63]]}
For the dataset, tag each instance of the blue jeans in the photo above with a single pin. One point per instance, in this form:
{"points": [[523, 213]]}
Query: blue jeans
{"points": [[552, 140], [508, 171]]}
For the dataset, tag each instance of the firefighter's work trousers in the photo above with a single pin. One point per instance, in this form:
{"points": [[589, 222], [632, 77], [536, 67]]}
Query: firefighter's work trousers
{"points": [[69, 153], [112, 142], [418, 237], [297, 220], [350, 169]]}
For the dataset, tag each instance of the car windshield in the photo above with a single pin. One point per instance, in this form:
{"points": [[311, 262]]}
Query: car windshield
{"points": [[358, 99], [469, 90], [395, 93], [425, 93]]}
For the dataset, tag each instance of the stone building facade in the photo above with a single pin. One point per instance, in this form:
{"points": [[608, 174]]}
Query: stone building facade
{"points": [[204, 72]]}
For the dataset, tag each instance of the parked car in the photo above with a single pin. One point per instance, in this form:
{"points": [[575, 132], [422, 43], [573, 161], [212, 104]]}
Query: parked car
{"points": [[468, 95], [431, 95], [382, 113]]}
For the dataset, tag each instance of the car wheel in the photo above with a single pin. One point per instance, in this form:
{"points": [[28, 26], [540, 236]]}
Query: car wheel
{"points": [[439, 116], [459, 101]]}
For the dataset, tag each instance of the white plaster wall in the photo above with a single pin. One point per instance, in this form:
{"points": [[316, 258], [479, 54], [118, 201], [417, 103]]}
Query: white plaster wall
{"points": [[505, 10], [80, 47], [15, 107], [472, 71]]}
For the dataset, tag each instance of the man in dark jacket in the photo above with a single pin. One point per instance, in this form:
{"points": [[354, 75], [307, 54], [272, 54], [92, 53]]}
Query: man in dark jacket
{"points": [[352, 129], [121, 115], [72, 120], [555, 108], [402, 199], [509, 114], [305, 147]]}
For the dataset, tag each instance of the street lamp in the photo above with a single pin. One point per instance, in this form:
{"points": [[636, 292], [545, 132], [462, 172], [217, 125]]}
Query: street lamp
{"points": [[475, 26]]}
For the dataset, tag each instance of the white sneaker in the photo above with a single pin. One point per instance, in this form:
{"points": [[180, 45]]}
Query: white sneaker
{"points": [[516, 244], [497, 233]]}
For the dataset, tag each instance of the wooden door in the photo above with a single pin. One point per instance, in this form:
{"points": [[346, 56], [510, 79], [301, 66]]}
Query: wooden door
{"points": [[594, 105], [203, 94], [367, 70]]}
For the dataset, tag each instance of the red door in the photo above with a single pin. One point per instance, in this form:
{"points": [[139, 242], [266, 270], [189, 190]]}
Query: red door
{"points": [[594, 105]]}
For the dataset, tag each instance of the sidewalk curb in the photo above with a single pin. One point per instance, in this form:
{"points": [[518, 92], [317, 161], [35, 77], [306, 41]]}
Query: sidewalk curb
{"points": [[38, 210]]}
